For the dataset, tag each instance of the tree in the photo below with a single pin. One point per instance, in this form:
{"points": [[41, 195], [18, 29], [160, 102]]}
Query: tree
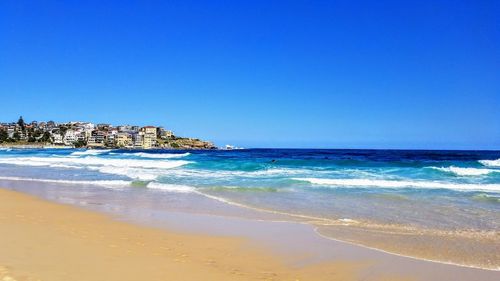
{"points": [[45, 137], [17, 136], [37, 133], [62, 130], [21, 123], [79, 144], [30, 137], [3, 135]]}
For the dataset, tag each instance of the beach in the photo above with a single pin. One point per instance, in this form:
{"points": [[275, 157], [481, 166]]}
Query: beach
{"points": [[47, 241], [42, 240], [249, 140], [231, 215], [433, 205]]}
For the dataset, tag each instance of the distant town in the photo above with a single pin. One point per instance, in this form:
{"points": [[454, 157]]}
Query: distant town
{"points": [[89, 135]]}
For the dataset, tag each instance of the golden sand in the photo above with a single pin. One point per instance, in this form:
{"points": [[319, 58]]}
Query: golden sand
{"points": [[40, 240]]}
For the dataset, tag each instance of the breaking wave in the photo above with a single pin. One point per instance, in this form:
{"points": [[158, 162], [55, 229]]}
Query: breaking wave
{"points": [[401, 184], [465, 171], [133, 168], [110, 184], [490, 163], [206, 173], [90, 152], [160, 155], [92, 161], [134, 173]]}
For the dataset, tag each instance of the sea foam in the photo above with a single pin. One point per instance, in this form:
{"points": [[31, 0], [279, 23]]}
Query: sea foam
{"points": [[171, 187], [401, 184], [92, 161], [160, 155], [90, 152], [490, 163], [140, 169], [134, 173], [459, 171], [104, 183]]}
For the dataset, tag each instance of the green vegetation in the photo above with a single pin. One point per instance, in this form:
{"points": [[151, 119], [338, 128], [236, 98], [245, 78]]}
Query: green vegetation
{"points": [[21, 123], [79, 144], [4, 136], [45, 137]]}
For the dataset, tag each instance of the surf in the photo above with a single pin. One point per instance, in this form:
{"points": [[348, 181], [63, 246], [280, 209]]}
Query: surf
{"points": [[378, 183], [459, 171]]}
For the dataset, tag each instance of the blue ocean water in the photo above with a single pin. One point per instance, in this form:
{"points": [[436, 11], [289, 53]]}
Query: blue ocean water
{"points": [[432, 193], [430, 189]]}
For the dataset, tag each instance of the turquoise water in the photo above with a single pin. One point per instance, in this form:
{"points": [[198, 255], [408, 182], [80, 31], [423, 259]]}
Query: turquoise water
{"points": [[455, 193], [435, 189]]}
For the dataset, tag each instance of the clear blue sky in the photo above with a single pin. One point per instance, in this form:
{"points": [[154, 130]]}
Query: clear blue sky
{"points": [[342, 74]]}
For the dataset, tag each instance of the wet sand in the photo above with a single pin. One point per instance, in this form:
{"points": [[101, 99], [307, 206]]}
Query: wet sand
{"points": [[41, 240]]}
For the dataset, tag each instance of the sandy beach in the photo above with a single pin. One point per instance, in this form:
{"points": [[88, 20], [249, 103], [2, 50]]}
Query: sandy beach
{"points": [[249, 140], [46, 241]]}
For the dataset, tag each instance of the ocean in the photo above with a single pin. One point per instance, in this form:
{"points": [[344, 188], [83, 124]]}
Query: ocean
{"points": [[437, 205]]}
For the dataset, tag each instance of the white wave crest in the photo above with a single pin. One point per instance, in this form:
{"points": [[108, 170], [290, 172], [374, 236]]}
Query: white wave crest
{"points": [[490, 163], [160, 155], [65, 166], [134, 173], [140, 169], [205, 173], [105, 183], [109, 184], [90, 152], [465, 171], [171, 187], [92, 161], [401, 184]]}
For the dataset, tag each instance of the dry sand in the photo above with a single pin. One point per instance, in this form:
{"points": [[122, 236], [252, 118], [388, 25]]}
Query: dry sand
{"points": [[45, 241]]}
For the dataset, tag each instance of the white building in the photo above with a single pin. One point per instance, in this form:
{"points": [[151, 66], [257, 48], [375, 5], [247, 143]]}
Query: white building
{"points": [[137, 139], [57, 139], [70, 137], [10, 132], [88, 126]]}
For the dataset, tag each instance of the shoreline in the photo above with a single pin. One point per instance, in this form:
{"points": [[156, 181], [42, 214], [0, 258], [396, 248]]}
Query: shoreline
{"points": [[302, 219], [396, 249], [290, 255], [49, 241], [357, 244], [310, 221]]}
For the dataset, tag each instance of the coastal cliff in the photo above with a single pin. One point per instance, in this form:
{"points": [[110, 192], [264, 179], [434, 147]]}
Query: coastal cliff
{"points": [[185, 143]]}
